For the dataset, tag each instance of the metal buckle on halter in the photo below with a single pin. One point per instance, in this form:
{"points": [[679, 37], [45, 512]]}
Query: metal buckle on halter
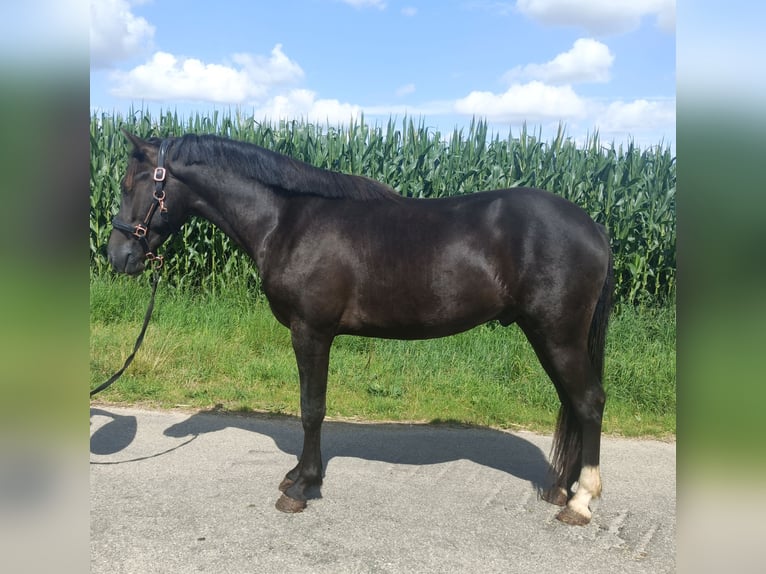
{"points": [[159, 195], [156, 260], [140, 231], [159, 174]]}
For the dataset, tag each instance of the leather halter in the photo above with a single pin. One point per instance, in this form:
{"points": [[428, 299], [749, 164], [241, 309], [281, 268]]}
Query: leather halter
{"points": [[140, 230]]}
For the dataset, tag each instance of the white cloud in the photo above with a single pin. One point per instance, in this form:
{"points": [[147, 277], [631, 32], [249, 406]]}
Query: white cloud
{"points": [[666, 17], [409, 11], [587, 61], [601, 16], [303, 104], [270, 71], [116, 33], [167, 77], [379, 4], [531, 102], [637, 116], [405, 90]]}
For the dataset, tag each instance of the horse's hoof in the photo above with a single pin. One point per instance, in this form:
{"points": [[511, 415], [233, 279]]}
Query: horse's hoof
{"points": [[555, 495], [285, 484], [290, 505], [572, 517]]}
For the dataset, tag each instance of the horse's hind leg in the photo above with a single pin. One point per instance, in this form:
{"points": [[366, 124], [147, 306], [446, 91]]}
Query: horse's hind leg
{"points": [[312, 352], [576, 445]]}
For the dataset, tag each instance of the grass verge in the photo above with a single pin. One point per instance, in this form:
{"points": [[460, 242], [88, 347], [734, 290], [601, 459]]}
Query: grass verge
{"points": [[227, 350]]}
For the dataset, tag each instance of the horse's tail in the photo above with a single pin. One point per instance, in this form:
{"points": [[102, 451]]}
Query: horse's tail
{"points": [[567, 439], [600, 322]]}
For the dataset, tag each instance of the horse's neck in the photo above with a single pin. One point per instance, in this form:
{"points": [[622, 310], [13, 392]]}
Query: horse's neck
{"points": [[245, 211]]}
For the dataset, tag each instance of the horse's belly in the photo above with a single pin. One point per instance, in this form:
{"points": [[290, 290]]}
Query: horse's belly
{"points": [[419, 317]]}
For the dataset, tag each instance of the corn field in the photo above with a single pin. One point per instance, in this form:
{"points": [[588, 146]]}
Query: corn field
{"points": [[629, 190]]}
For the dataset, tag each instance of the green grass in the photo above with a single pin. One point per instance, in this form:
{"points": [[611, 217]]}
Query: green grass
{"points": [[203, 350]]}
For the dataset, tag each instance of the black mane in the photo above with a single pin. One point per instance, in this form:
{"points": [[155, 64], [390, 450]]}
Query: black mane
{"points": [[275, 170]]}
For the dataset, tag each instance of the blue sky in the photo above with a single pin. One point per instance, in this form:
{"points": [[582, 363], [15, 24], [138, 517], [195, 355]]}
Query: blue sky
{"points": [[591, 64]]}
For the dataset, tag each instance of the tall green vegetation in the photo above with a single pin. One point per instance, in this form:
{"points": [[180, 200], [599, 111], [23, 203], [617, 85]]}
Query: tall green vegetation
{"points": [[629, 190]]}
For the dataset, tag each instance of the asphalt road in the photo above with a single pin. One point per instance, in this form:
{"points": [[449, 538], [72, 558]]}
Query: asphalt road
{"points": [[195, 492]]}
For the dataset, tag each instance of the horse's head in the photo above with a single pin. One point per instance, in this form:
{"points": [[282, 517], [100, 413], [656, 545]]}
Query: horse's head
{"points": [[151, 207]]}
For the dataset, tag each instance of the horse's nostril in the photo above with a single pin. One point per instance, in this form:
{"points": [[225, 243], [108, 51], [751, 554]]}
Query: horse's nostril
{"points": [[122, 259]]}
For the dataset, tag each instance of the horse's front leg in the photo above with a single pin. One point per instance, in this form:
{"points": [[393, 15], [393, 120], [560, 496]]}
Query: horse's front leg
{"points": [[312, 351]]}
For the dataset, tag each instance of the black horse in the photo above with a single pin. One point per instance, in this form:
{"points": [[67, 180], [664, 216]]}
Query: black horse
{"points": [[344, 254]]}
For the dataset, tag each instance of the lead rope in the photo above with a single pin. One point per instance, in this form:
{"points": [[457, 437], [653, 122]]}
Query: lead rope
{"points": [[129, 360]]}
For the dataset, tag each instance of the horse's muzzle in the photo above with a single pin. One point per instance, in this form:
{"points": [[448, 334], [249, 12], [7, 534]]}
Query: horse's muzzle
{"points": [[126, 258]]}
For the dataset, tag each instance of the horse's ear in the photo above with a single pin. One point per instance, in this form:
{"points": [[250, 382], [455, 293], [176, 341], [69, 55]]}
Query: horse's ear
{"points": [[139, 145]]}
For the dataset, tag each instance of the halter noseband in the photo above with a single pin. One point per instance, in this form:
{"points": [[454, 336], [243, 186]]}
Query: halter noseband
{"points": [[140, 230]]}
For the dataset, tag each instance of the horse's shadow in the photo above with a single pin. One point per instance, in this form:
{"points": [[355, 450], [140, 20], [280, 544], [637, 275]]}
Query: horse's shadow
{"points": [[392, 443], [114, 436]]}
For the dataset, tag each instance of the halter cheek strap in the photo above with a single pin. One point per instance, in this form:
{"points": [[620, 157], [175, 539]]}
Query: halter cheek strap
{"points": [[140, 230]]}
